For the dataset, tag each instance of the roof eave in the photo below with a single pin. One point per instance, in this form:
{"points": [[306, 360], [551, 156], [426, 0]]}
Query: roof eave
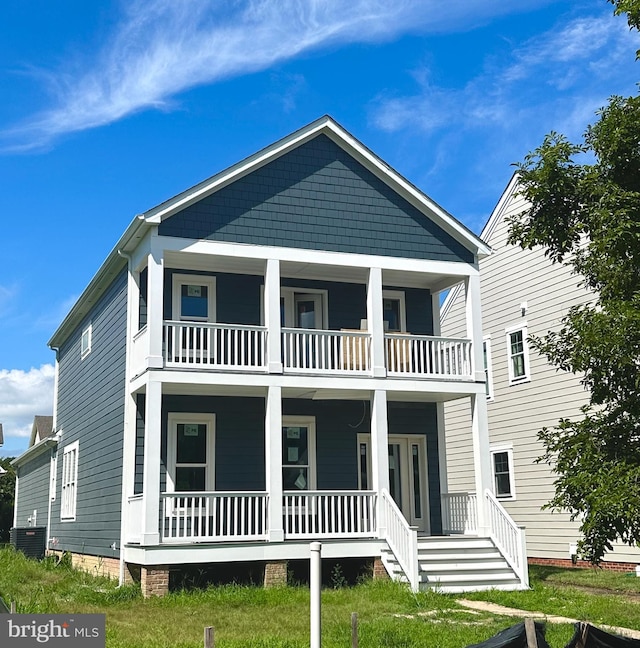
{"points": [[35, 451]]}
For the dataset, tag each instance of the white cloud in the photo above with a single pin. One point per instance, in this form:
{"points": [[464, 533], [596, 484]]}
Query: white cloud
{"points": [[23, 394], [163, 47]]}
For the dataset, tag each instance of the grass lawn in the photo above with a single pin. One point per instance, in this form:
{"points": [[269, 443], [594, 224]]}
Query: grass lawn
{"points": [[389, 615]]}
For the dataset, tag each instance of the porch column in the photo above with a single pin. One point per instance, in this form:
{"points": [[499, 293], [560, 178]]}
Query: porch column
{"points": [[379, 448], [272, 315], [155, 299], [375, 322], [474, 325], [481, 458], [442, 439], [273, 462], [151, 465]]}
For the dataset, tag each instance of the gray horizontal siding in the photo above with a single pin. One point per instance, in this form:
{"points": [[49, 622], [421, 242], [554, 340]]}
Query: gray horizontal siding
{"points": [[33, 490], [316, 197], [91, 410]]}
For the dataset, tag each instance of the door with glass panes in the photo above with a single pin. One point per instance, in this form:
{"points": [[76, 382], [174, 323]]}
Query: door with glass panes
{"points": [[407, 475]]}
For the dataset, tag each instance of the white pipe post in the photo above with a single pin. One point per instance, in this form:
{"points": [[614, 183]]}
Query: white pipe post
{"points": [[315, 586]]}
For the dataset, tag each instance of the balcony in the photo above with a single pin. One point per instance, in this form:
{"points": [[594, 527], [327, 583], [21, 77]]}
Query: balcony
{"points": [[235, 347]]}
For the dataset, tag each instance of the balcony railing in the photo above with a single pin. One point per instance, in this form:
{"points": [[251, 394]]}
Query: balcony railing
{"points": [[312, 350], [202, 345], [329, 514], [218, 346], [426, 356], [214, 517], [459, 513]]}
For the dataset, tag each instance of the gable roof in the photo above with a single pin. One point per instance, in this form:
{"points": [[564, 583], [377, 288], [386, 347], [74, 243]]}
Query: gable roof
{"points": [[325, 125], [42, 428], [487, 231]]}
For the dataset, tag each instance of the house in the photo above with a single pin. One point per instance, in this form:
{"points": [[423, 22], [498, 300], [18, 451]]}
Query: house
{"points": [[2, 470], [523, 294], [258, 365]]}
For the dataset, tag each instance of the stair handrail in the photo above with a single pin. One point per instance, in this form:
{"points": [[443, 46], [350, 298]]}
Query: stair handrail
{"points": [[507, 536], [401, 537]]}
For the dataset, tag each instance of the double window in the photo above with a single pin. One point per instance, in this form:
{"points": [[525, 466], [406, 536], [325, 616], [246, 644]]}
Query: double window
{"points": [[69, 482]]}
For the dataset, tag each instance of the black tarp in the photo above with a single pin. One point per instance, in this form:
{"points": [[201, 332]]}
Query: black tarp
{"points": [[588, 636], [514, 637]]}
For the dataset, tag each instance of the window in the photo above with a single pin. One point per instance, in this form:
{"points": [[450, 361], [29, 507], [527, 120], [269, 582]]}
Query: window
{"points": [[69, 482], [518, 354], [502, 468], [85, 342], [190, 452], [194, 298], [298, 453], [142, 301], [393, 311], [488, 371]]}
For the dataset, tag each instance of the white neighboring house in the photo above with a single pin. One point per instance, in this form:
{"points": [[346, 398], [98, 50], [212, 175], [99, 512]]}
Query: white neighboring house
{"points": [[522, 294]]}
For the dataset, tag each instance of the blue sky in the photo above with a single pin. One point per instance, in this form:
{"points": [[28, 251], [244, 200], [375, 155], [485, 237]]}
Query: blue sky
{"points": [[110, 108]]}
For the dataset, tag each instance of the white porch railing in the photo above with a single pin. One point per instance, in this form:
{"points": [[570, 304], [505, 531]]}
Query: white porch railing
{"points": [[134, 518], [329, 514], [401, 538], [426, 356], [459, 513], [210, 517], [507, 536], [219, 346], [332, 351]]}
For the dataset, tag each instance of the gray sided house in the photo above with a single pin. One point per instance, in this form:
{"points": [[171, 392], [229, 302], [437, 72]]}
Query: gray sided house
{"points": [[258, 365], [523, 294]]}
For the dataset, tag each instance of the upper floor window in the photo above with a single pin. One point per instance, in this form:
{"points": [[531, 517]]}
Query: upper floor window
{"points": [[393, 311], [85, 342], [69, 482], [518, 354], [488, 371], [194, 298]]}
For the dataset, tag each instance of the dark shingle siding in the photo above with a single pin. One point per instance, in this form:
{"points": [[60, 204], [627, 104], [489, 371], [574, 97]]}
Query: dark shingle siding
{"points": [[316, 197]]}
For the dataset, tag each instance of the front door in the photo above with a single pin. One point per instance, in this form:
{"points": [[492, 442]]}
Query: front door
{"points": [[407, 475]]}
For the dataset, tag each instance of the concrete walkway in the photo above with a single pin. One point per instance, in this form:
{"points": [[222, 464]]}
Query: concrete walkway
{"points": [[493, 608]]}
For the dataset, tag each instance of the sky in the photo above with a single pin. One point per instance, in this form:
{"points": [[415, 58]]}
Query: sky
{"points": [[112, 107]]}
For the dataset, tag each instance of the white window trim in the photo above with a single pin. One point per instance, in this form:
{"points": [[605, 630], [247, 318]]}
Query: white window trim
{"points": [[486, 340], [180, 280], [88, 332], [364, 438], [310, 423], [68, 500], [173, 419], [288, 293], [508, 448], [525, 348], [399, 295]]}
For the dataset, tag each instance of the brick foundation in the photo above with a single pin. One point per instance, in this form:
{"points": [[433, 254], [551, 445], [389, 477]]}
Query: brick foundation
{"points": [[379, 571], [566, 563], [275, 573], [97, 565], [154, 580]]}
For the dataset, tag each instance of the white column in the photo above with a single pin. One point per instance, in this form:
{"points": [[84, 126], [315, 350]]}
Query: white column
{"points": [[481, 458], [315, 586], [375, 322], [155, 307], [273, 461], [474, 325], [151, 466], [272, 315], [379, 449], [442, 437]]}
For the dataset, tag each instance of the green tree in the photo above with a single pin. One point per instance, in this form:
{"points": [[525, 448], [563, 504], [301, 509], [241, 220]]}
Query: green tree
{"points": [[585, 213], [7, 495]]}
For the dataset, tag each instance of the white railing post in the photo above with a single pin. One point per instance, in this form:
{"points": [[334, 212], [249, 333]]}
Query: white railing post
{"points": [[155, 304], [315, 594], [151, 463], [273, 461]]}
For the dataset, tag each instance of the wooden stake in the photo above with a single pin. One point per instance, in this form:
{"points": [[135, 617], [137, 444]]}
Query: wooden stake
{"points": [[354, 630], [208, 637], [530, 628], [13, 607]]}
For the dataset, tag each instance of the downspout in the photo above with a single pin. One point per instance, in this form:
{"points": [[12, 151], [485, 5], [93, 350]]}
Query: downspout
{"points": [[53, 465]]}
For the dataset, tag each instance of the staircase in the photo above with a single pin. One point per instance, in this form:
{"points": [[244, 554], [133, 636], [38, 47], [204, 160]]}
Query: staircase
{"points": [[459, 563]]}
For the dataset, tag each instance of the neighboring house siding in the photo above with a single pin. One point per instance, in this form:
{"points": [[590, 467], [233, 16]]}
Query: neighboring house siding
{"points": [[316, 197], [517, 412], [33, 490], [239, 435], [91, 411]]}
